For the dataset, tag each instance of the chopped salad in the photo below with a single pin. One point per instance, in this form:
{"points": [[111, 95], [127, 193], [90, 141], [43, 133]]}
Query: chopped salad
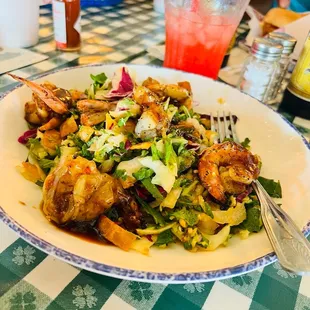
{"points": [[134, 165]]}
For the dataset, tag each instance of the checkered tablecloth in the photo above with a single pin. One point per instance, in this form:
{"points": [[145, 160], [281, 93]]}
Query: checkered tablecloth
{"points": [[31, 279]]}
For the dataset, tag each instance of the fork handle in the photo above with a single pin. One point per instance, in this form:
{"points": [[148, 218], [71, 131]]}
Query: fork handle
{"points": [[290, 245]]}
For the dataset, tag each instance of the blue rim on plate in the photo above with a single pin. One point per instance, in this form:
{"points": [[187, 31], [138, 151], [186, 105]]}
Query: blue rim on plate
{"points": [[129, 274]]}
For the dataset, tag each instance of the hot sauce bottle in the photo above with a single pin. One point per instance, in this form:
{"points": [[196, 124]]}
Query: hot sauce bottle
{"points": [[67, 24]]}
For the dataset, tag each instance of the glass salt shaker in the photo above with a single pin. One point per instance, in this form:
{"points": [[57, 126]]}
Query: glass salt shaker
{"points": [[288, 43], [260, 67]]}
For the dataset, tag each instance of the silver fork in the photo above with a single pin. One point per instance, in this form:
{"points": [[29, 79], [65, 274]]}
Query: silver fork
{"points": [[289, 244]]}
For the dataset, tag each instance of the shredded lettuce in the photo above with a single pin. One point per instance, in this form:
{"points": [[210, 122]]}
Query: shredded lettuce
{"points": [[122, 121], [165, 237], [158, 218], [163, 175], [186, 159], [124, 107], [120, 174], [154, 231], [155, 152], [171, 199], [143, 173], [216, 240], [36, 148], [46, 163], [205, 206], [152, 189], [171, 159], [189, 216], [130, 166]]}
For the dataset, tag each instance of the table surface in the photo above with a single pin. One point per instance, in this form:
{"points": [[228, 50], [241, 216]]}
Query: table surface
{"points": [[31, 279]]}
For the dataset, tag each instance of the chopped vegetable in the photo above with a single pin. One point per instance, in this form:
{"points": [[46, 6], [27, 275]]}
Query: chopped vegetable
{"points": [[68, 126], [122, 121], [171, 199], [189, 216], [216, 240], [141, 146], [31, 172], [143, 245], [152, 189], [36, 148], [155, 152], [24, 138], [253, 221], [163, 176], [116, 234], [143, 173], [122, 85], [85, 133], [158, 218], [205, 206], [233, 216], [125, 107], [165, 237], [171, 158], [99, 79], [120, 174], [206, 224], [130, 166], [45, 163], [246, 143], [271, 187], [154, 231], [186, 160], [125, 158], [51, 139]]}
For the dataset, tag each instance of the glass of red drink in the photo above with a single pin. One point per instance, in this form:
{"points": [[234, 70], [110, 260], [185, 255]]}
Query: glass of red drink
{"points": [[198, 33]]}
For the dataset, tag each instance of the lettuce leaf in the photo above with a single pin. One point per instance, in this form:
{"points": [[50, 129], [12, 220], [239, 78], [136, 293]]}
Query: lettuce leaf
{"points": [[246, 143], [271, 187], [99, 79], [158, 218], [143, 173], [152, 189], [165, 237], [190, 217]]}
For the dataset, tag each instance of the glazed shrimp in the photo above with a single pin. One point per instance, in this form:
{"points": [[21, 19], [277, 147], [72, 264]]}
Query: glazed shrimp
{"points": [[242, 167], [45, 94], [90, 105], [94, 112]]}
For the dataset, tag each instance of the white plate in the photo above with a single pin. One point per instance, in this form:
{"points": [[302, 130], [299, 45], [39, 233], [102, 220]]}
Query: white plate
{"points": [[284, 153]]}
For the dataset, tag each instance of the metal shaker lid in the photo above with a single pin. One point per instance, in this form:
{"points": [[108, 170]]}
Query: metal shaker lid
{"points": [[266, 49], [285, 39]]}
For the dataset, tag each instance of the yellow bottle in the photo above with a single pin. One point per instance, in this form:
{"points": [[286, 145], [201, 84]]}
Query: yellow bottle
{"points": [[296, 98]]}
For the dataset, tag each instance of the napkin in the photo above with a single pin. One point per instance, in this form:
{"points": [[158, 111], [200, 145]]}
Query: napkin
{"points": [[15, 58], [299, 29]]}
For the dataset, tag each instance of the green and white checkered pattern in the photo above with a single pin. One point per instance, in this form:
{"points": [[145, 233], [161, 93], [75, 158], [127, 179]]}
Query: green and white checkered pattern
{"points": [[30, 279]]}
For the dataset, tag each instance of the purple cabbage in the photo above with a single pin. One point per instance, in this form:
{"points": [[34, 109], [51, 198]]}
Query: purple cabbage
{"points": [[241, 196], [23, 139], [122, 85], [127, 145]]}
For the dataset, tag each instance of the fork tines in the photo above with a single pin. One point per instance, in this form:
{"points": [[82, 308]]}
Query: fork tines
{"points": [[224, 125]]}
